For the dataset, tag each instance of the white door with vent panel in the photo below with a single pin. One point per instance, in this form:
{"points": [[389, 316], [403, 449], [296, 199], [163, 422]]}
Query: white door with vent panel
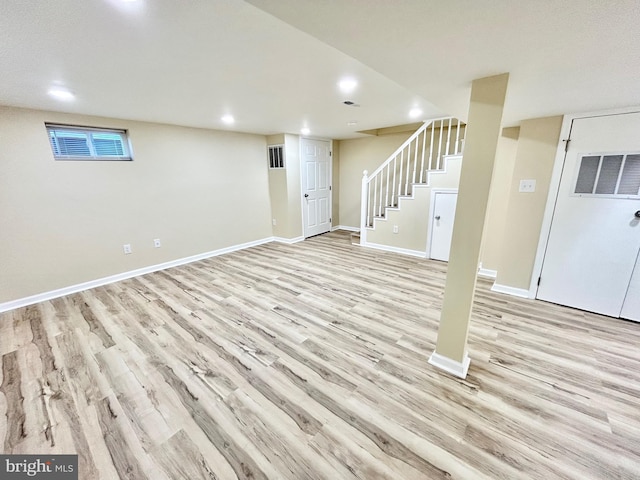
{"points": [[443, 216], [591, 260], [316, 186]]}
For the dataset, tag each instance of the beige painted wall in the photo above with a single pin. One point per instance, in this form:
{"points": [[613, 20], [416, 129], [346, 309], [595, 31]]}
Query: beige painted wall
{"points": [[335, 185], [64, 222], [284, 188], [278, 193], [499, 198], [294, 187], [536, 151], [357, 155]]}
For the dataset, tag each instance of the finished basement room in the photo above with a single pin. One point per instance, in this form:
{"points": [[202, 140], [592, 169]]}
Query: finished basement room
{"points": [[290, 239]]}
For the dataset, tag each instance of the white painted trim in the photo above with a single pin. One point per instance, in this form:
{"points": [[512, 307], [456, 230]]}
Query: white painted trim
{"points": [[516, 292], [403, 251], [41, 297], [288, 240], [554, 187], [432, 203], [345, 227], [459, 369], [487, 273]]}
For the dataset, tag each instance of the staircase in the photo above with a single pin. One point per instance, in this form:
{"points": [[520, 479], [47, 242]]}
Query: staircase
{"points": [[411, 165]]}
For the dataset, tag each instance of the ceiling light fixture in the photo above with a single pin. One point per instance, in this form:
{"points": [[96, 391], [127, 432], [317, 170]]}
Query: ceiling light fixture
{"points": [[352, 123], [228, 119], [415, 112], [347, 85], [305, 131], [61, 94]]}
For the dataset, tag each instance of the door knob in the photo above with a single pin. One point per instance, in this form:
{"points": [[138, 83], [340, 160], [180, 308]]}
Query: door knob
{"points": [[437, 217], [306, 195], [638, 214]]}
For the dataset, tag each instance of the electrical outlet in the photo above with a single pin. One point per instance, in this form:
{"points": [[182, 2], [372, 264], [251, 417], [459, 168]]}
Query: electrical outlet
{"points": [[274, 222], [156, 243], [127, 248], [395, 229], [527, 186]]}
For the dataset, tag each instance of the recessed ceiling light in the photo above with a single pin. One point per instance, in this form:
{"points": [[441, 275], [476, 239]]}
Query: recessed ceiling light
{"points": [[228, 119], [351, 124], [415, 112], [61, 94], [347, 85], [305, 131]]}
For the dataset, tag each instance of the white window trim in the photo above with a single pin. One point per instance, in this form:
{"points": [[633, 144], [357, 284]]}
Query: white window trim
{"points": [[88, 131]]}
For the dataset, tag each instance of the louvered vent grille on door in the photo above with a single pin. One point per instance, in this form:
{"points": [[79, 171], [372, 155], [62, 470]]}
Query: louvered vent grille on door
{"points": [[609, 175]]}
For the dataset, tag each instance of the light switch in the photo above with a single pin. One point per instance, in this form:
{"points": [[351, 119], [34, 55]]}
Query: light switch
{"points": [[527, 186]]}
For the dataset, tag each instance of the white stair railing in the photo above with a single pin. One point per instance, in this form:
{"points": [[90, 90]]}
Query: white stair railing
{"points": [[409, 165]]}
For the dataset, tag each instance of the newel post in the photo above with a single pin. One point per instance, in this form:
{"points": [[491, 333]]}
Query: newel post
{"points": [[364, 207]]}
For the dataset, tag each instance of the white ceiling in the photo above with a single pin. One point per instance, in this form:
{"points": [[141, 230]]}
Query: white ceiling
{"points": [[275, 68]]}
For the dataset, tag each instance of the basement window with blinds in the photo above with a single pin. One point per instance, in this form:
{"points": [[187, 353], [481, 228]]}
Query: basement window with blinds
{"points": [[88, 143], [276, 156]]}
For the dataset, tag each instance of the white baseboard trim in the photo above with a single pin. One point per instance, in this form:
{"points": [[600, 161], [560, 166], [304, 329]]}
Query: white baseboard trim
{"points": [[61, 292], [487, 273], [459, 369], [345, 227], [288, 240], [516, 292], [403, 251]]}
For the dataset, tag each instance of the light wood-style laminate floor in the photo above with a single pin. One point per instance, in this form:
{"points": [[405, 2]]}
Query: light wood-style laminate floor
{"points": [[309, 361]]}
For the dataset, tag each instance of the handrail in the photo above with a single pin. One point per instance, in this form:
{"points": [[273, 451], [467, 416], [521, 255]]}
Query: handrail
{"points": [[413, 136]]}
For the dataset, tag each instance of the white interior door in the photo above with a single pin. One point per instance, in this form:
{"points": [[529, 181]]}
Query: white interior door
{"points": [[595, 237], [316, 186], [444, 212]]}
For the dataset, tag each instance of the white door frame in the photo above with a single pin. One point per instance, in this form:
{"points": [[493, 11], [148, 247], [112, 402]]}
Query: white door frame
{"points": [[300, 139], [554, 187], [432, 204]]}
